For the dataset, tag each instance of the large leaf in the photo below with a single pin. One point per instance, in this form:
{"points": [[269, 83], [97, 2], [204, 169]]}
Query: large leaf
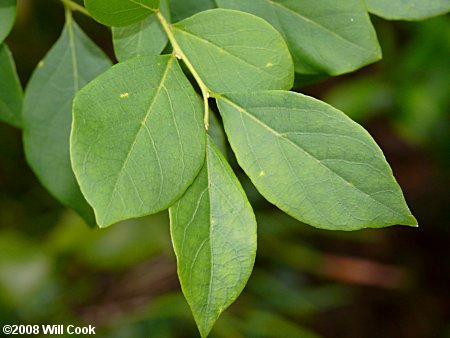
{"points": [[408, 10], [312, 161], [7, 17], [324, 36], [181, 9], [70, 64], [145, 37], [235, 51], [10, 89], [214, 236], [120, 12], [138, 139]]}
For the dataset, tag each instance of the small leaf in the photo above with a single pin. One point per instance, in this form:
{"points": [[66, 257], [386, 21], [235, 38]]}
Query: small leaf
{"points": [[324, 36], [235, 51], [182, 9], [214, 236], [408, 10], [120, 12], [138, 139], [10, 89], [7, 17], [145, 37], [312, 161], [69, 65]]}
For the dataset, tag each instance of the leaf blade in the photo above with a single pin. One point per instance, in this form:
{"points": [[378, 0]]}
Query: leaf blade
{"points": [[411, 10], [217, 42], [213, 270], [11, 96], [181, 9], [7, 18], [329, 175], [120, 12], [129, 152], [310, 32], [145, 37], [47, 114]]}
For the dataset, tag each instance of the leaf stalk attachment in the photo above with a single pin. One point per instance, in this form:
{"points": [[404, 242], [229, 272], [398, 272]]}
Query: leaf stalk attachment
{"points": [[73, 6], [178, 52]]}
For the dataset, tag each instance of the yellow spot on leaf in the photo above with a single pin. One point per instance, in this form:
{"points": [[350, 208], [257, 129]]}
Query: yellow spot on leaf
{"points": [[269, 64], [262, 173], [124, 95], [40, 64]]}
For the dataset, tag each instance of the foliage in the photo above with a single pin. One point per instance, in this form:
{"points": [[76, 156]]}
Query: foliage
{"points": [[310, 29], [10, 89], [141, 141], [412, 10], [69, 65]]}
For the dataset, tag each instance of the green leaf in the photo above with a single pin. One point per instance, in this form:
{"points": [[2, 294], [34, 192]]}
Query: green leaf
{"points": [[214, 236], [235, 51], [70, 64], [217, 133], [182, 9], [138, 139], [312, 161], [408, 10], [10, 89], [324, 36], [7, 17], [120, 12], [145, 37]]}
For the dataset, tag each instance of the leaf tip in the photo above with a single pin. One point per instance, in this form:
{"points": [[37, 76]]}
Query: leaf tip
{"points": [[205, 327], [411, 221], [102, 220], [205, 321], [414, 224], [102, 225]]}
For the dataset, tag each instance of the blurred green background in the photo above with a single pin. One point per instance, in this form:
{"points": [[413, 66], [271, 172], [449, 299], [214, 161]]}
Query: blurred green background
{"points": [[390, 283]]}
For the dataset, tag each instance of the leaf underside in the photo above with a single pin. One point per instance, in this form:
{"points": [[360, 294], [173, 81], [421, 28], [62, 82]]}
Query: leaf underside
{"points": [[142, 38], [214, 236], [324, 37], [235, 51], [7, 17], [182, 9], [70, 64], [312, 161], [10, 89], [408, 10], [138, 139], [120, 12]]}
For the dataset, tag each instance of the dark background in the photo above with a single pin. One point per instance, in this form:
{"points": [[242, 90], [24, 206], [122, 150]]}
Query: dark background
{"points": [[389, 283]]}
